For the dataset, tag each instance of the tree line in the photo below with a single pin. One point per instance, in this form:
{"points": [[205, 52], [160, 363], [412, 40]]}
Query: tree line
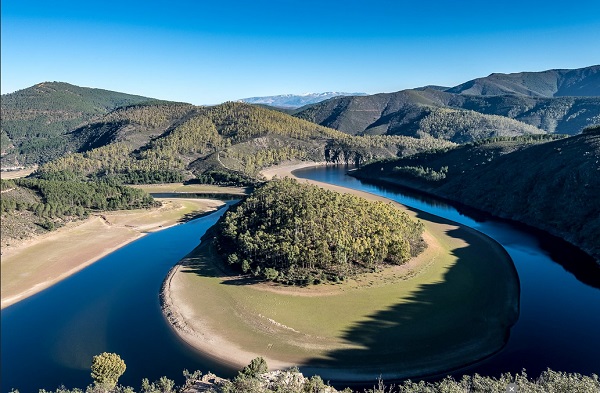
{"points": [[107, 368], [65, 198]]}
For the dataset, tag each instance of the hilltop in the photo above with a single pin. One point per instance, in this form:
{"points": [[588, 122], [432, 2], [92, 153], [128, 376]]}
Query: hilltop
{"points": [[581, 82], [550, 185], [36, 120]]}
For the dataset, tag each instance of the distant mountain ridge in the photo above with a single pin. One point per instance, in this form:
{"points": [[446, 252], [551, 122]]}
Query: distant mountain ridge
{"points": [[581, 82], [292, 101], [555, 101]]}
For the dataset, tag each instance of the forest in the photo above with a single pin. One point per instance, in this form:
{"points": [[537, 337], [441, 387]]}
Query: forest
{"points": [[50, 203], [157, 143], [301, 234]]}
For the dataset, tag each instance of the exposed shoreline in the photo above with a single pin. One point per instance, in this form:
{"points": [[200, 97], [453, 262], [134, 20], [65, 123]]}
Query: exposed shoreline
{"points": [[35, 264], [192, 329]]}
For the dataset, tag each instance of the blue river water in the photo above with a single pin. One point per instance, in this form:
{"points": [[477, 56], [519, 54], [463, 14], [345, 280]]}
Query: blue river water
{"points": [[113, 305], [559, 321]]}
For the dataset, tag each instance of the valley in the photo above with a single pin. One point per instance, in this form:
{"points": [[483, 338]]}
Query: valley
{"points": [[89, 231]]}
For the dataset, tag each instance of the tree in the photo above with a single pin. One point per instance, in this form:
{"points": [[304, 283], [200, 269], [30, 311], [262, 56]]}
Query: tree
{"points": [[256, 367], [107, 368]]}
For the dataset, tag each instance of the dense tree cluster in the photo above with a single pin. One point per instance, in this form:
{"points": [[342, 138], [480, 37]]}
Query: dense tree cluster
{"points": [[241, 122], [301, 234], [251, 161], [543, 181], [63, 198], [116, 161], [464, 125], [225, 178], [424, 173], [359, 150], [197, 135], [38, 119], [533, 138], [156, 115]]}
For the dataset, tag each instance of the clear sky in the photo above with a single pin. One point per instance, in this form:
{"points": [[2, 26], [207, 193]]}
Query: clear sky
{"points": [[207, 52]]}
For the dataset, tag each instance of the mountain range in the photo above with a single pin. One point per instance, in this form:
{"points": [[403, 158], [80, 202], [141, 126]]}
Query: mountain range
{"points": [[293, 101], [554, 101], [581, 82], [82, 133]]}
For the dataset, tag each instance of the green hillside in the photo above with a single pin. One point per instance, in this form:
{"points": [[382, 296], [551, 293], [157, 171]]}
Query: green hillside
{"points": [[36, 120], [552, 186], [35, 206], [173, 142]]}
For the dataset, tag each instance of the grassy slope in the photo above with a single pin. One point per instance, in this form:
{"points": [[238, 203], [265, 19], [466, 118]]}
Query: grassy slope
{"points": [[425, 309]]}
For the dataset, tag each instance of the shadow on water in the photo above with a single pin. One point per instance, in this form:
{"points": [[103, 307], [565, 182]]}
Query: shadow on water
{"points": [[198, 195], [443, 325], [570, 257]]}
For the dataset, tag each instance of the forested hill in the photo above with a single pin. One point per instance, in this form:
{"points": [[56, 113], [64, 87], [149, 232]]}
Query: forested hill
{"points": [[302, 234], [401, 113], [553, 186], [227, 143], [581, 82], [35, 120]]}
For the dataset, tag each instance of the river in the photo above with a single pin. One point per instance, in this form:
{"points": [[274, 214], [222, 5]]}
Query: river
{"points": [[113, 305]]}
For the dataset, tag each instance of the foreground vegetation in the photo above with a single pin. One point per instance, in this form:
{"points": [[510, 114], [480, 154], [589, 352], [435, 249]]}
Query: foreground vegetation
{"points": [[302, 234], [254, 378]]}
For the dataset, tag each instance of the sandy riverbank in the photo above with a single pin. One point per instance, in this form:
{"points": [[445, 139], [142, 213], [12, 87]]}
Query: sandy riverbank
{"points": [[320, 327], [35, 264], [7, 175]]}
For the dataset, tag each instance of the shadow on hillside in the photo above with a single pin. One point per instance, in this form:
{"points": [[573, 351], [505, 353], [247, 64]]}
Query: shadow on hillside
{"points": [[460, 319]]}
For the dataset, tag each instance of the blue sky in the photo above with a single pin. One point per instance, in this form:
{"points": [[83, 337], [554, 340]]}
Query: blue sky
{"points": [[207, 52]]}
